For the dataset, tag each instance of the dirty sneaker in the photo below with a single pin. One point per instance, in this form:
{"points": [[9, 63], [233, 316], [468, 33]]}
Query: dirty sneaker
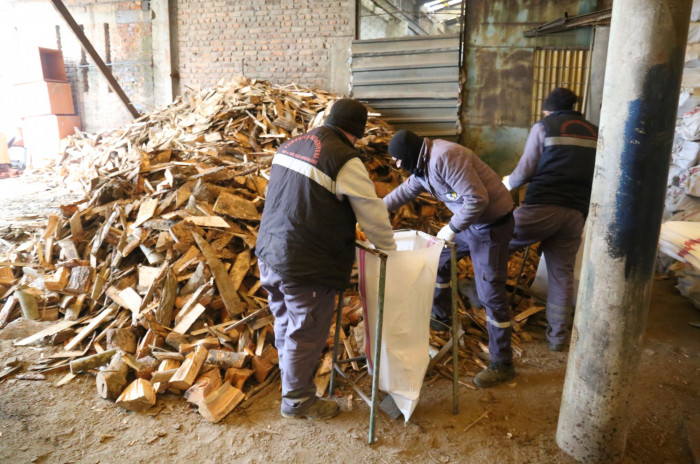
{"points": [[496, 373], [319, 410]]}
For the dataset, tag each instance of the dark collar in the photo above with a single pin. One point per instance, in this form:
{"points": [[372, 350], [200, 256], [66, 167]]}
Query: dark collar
{"points": [[342, 136]]}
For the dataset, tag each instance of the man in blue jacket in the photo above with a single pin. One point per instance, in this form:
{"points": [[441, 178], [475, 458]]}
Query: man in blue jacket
{"points": [[481, 225], [318, 190], [557, 164]]}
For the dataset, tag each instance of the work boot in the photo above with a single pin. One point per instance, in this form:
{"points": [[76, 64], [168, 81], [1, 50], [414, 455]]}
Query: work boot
{"points": [[496, 373], [319, 410]]}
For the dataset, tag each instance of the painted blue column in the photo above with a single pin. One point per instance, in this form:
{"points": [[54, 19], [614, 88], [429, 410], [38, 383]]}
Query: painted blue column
{"points": [[640, 99]]}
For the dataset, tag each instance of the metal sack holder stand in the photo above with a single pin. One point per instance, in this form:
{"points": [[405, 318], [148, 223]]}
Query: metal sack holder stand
{"points": [[372, 401]]}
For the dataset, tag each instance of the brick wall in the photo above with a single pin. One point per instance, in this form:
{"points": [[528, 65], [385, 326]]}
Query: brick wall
{"points": [[283, 41]]}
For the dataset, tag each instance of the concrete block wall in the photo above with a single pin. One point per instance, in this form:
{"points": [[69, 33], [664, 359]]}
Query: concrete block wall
{"points": [[283, 41]]}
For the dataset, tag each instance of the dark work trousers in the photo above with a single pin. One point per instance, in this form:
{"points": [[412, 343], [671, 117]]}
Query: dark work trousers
{"points": [[489, 252], [303, 315], [559, 230]]}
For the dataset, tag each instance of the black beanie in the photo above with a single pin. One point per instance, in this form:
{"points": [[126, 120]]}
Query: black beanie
{"points": [[560, 99], [405, 146], [350, 115]]}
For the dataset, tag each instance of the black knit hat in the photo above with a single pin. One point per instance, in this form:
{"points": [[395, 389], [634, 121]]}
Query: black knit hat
{"points": [[405, 146], [560, 99], [350, 115]]}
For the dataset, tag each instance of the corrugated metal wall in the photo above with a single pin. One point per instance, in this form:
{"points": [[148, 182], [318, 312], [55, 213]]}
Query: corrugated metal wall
{"points": [[413, 82], [560, 67]]}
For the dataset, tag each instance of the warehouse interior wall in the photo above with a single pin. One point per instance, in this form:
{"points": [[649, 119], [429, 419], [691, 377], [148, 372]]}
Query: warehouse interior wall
{"points": [[283, 41], [498, 68], [119, 31]]}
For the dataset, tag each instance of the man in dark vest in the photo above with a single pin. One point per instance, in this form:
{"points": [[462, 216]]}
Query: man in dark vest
{"points": [[318, 190], [557, 165], [481, 225]]}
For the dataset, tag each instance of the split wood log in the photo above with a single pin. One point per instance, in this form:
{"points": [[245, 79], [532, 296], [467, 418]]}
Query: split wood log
{"points": [[220, 403], [187, 373], [92, 325], [139, 395], [166, 370], [143, 367], [226, 359], [210, 343], [124, 339], [111, 380], [88, 362], [58, 280], [237, 377], [236, 207], [262, 368], [6, 275], [233, 303], [174, 340], [164, 313], [150, 340], [80, 280], [163, 376], [47, 332], [6, 311], [206, 383], [30, 308]]}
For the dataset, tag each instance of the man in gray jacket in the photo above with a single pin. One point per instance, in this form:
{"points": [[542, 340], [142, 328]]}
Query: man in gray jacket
{"points": [[482, 225]]}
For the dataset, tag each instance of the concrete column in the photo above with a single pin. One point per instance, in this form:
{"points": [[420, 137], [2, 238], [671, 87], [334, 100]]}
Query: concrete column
{"points": [[162, 70], [642, 84]]}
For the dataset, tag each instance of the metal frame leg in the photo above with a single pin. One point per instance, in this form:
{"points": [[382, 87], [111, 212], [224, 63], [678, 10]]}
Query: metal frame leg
{"points": [[336, 339], [518, 277], [455, 329], [335, 362], [377, 348]]}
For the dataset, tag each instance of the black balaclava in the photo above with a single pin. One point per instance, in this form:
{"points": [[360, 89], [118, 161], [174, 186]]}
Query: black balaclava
{"points": [[405, 146]]}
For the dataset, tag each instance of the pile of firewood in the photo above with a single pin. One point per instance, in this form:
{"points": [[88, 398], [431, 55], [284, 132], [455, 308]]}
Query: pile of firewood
{"points": [[151, 277]]}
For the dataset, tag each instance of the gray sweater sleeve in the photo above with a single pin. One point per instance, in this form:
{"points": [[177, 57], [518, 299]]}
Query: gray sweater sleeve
{"points": [[354, 183], [404, 193], [527, 165]]}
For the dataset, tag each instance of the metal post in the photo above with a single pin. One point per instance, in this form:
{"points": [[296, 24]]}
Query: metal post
{"points": [[640, 97], [336, 340], [377, 347], [455, 329]]}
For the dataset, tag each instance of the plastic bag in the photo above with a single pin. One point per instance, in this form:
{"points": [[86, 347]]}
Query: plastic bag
{"points": [[411, 273]]}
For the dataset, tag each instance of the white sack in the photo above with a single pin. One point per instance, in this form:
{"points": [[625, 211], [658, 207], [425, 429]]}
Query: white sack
{"points": [[687, 156], [690, 126], [411, 273], [695, 11]]}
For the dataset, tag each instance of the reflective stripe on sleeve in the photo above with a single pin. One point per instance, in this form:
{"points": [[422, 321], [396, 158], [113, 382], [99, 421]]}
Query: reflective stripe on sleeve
{"points": [[502, 325], [445, 285]]}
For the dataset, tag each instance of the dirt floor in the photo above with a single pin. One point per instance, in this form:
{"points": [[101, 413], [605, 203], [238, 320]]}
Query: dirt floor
{"points": [[42, 423]]}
